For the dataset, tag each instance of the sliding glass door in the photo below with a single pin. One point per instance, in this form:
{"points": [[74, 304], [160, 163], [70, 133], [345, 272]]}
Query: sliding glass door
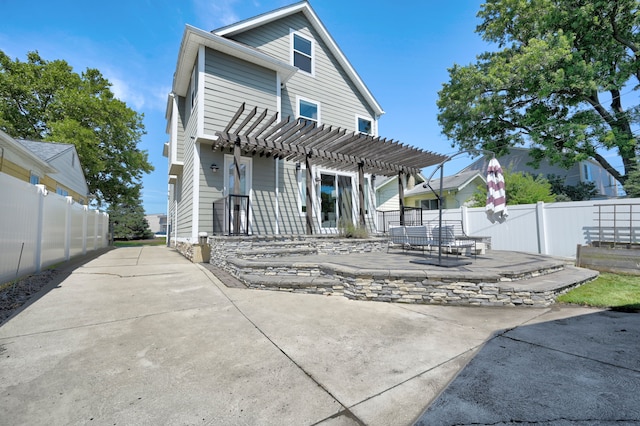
{"points": [[336, 199]]}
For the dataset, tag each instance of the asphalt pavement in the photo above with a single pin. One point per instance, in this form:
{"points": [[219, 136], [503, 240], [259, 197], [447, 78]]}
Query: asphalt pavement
{"points": [[141, 336]]}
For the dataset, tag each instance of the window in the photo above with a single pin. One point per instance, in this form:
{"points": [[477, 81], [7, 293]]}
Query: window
{"points": [[194, 87], [429, 204], [62, 191], [309, 110], [587, 172], [302, 53], [34, 179], [364, 126]]}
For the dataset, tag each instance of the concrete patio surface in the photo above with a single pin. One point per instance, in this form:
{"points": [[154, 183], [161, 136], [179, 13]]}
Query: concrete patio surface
{"points": [[142, 336]]}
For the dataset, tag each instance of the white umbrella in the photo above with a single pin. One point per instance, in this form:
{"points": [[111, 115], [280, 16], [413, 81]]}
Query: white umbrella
{"points": [[496, 207]]}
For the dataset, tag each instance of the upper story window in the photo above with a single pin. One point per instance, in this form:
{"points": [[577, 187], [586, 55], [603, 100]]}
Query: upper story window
{"points": [[194, 86], [587, 172], [34, 179], [302, 52], [365, 126], [62, 191], [309, 110]]}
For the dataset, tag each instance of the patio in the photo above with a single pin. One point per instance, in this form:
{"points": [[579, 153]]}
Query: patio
{"points": [[496, 278]]}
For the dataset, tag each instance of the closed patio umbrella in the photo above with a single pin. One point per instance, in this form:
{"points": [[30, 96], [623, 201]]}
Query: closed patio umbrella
{"points": [[496, 207]]}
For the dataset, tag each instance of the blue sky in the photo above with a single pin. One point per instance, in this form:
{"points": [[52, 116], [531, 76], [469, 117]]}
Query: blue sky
{"points": [[401, 50]]}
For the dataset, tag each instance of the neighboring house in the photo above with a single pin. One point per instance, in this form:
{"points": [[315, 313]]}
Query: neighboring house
{"points": [[584, 171], [387, 192], [157, 223], [239, 165], [457, 190], [54, 165]]}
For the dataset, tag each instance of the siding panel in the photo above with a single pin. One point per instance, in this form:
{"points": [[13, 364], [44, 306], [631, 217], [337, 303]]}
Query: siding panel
{"points": [[229, 82], [339, 99]]}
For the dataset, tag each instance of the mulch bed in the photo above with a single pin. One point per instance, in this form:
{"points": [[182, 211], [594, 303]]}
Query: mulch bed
{"points": [[15, 294]]}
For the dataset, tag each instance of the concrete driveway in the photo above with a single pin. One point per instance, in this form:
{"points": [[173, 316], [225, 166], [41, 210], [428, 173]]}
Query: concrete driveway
{"points": [[142, 336]]}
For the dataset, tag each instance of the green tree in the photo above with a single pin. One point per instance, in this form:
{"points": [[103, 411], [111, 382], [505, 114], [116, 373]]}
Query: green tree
{"points": [[521, 188], [46, 100], [128, 221], [580, 192], [557, 63]]}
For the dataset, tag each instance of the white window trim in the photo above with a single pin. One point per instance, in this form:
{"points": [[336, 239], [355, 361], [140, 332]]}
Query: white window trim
{"points": [[301, 98], [364, 117], [293, 32]]}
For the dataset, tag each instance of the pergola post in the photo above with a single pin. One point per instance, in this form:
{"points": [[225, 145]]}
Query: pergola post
{"points": [[236, 186], [401, 195], [361, 194], [309, 184]]}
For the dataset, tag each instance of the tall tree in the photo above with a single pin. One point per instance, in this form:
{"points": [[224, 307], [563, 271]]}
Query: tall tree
{"points": [[128, 221], [46, 100], [557, 65]]}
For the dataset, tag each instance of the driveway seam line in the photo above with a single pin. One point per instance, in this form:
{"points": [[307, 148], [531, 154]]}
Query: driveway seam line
{"points": [[309, 375]]}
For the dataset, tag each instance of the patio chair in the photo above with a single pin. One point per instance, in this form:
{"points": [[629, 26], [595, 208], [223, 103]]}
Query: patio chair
{"points": [[419, 236], [398, 236], [453, 243]]}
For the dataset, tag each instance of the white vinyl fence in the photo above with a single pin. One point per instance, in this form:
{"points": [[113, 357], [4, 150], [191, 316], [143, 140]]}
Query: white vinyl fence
{"points": [[546, 228], [40, 228]]}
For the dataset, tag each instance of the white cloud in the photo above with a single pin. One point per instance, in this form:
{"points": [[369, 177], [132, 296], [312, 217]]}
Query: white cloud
{"points": [[123, 91]]}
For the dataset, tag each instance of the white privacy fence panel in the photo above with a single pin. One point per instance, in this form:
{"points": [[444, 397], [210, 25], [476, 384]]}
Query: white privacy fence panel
{"points": [[18, 227], [78, 230], [54, 224], [40, 228]]}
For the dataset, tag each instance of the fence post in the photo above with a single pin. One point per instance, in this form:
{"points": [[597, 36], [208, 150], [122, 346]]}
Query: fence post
{"points": [[464, 217], [67, 233], [95, 229], [42, 192], [85, 213], [542, 231]]}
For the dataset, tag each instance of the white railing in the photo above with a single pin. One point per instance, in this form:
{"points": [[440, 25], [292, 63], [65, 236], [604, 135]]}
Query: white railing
{"points": [[39, 228]]}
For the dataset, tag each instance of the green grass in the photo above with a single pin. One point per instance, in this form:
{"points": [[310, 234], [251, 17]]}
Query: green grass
{"points": [[140, 243], [621, 292]]}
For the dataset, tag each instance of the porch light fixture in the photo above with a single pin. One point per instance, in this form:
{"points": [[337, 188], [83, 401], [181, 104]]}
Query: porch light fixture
{"points": [[214, 167]]}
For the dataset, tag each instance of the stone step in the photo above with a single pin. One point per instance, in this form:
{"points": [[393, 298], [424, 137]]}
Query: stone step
{"points": [[558, 282], [289, 281], [266, 252]]}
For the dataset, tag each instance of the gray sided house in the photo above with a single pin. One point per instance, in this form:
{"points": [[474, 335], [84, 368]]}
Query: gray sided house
{"points": [[584, 171], [272, 131]]}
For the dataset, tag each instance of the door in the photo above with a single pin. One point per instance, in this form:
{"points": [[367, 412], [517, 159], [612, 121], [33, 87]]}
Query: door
{"points": [[336, 200], [239, 212]]}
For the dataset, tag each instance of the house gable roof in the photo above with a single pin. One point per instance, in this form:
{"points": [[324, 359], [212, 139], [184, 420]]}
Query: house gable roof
{"points": [[46, 151], [455, 182], [305, 8], [24, 153], [193, 38]]}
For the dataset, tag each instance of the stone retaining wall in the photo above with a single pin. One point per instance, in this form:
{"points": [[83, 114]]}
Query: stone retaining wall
{"points": [[256, 247], [450, 288]]}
